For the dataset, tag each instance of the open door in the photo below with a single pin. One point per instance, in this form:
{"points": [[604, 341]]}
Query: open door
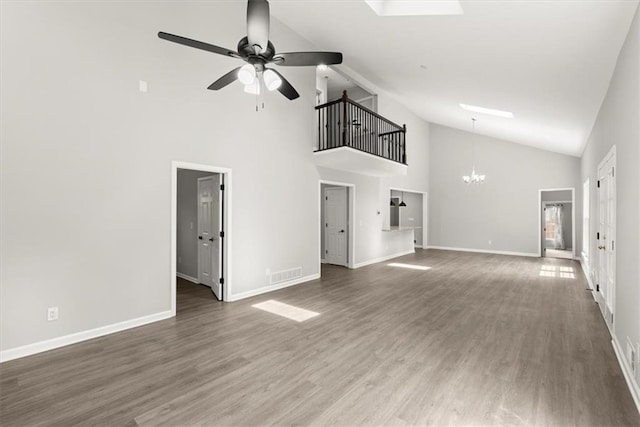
{"points": [[210, 202]]}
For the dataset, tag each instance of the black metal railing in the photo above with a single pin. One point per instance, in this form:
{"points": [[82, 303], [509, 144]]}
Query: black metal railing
{"points": [[345, 123]]}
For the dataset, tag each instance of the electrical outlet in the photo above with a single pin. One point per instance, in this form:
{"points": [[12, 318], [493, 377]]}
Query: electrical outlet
{"points": [[52, 314], [142, 86]]}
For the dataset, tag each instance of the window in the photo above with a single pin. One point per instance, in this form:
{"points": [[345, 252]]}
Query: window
{"points": [[585, 221]]}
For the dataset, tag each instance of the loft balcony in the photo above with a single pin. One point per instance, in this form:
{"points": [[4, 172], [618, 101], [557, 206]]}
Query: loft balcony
{"points": [[351, 137]]}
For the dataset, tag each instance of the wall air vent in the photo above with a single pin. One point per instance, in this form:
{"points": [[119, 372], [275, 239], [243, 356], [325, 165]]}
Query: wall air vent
{"points": [[285, 275]]}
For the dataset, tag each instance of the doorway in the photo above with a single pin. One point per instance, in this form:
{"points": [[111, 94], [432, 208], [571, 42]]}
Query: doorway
{"points": [[606, 235], [408, 211], [200, 230], [336, 223], [556, 223]]}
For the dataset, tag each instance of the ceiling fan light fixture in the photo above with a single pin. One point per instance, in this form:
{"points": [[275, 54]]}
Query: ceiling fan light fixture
{"points": [[253, 88], [247, 74], [271, 80]]}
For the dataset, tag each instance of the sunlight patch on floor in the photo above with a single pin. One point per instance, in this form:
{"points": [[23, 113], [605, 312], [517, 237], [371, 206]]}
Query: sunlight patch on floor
{"points": [[556, 271], [285, 310], [411, 266]]}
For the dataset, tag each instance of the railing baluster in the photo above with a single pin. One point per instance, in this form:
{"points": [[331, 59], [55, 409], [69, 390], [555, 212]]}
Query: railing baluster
{"points": [[347, 123]]}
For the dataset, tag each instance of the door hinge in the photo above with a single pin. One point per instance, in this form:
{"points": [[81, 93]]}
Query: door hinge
{"points": [[326, 198], [613, 174], [598, 236], [222, 280], [222, 187], [597, 288], [222, 234], [598, 183], [326, 251], [613, 245]]}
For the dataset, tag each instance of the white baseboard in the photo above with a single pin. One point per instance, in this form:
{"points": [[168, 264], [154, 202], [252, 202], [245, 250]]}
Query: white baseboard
{"points": [[587, 274], [39, 347], [626, 370], [384, 258], [485, 251], [189, 278], [271, 288]]}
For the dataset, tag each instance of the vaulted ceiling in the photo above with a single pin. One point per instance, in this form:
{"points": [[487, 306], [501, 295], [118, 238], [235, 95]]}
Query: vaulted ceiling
{"points": [[548, 62]]}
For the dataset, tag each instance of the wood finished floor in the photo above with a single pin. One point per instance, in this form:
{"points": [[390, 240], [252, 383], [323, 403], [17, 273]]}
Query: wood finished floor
{"points": [[477, 339]]}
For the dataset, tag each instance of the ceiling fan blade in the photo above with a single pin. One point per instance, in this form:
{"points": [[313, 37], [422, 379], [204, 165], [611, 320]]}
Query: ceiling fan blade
{"points": [[258, 23], [285, 87], [198, 45], [300, 59], [225, 80]]}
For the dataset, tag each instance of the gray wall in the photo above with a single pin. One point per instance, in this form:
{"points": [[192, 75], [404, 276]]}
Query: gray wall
{"points": [[104, 151], [618, 123], [557, 196], [503, 209], [187, 222]]}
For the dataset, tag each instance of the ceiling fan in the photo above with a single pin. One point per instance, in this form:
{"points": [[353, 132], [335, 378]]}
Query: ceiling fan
{"points": [[257, 51]]}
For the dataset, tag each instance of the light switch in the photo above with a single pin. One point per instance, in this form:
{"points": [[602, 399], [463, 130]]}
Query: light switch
{"points": [[142, 85]]}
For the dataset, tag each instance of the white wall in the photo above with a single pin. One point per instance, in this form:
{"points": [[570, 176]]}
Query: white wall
{"points": [[187, 222], [95, 241], [618, 123], [503, 209], [74, 122]]}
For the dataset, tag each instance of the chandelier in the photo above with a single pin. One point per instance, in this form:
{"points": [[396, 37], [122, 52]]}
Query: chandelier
{"points": [[474, 178]]}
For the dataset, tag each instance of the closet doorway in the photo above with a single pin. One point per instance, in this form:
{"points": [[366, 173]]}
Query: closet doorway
{"points": [[557, 223]]}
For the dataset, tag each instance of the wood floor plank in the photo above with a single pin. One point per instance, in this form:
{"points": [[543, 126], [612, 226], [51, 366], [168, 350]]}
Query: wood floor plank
{"points": [[477, 339]]}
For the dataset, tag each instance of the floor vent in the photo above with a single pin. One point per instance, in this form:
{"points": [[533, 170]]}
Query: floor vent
{"points": [[285, 275]]}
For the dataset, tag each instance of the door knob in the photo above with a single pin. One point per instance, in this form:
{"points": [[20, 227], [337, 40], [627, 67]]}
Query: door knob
{"points": [[601, 247], [342, 231], [200, 237], [211, 239]]}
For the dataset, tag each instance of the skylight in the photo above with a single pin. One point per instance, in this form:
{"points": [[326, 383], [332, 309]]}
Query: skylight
{"points": [[415, 8], [490, 111]]}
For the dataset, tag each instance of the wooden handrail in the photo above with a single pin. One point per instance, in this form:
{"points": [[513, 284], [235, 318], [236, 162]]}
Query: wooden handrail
{"points": [[345, 98]]}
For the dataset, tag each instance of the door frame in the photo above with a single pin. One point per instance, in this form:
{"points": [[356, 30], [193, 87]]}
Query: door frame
{"points": [[573, 218], [226, 226], [425, 210], [610, 321], [351, 214]]}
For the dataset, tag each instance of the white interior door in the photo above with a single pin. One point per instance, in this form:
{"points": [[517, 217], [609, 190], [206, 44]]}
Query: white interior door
{"points": [[209, 227], [335, 227], [606, 234]]}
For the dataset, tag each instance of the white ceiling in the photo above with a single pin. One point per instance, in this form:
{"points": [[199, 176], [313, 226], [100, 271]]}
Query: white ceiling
{"points": [[548, 62]]}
